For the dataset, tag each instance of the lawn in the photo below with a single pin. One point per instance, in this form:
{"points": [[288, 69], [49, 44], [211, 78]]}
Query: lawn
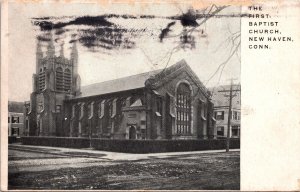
{"points": [[189, 172]]}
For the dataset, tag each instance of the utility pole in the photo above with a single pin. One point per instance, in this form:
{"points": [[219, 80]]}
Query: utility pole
{"points": [[229, 112]]}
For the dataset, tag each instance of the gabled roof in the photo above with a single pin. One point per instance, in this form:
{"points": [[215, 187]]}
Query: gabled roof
{"points": [[116, 85], [173, 71], [137, 103], [151, 79]]}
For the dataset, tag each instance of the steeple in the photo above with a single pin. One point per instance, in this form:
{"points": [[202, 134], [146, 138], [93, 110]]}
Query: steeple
{"points": [[39, 55], [50, 48], [74, 60], [74, 57], [62, 50], [39, 48], [74, 52], [39, 52]]}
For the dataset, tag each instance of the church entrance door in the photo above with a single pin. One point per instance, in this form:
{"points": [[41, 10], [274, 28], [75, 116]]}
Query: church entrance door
{"points": [[132, 132]]}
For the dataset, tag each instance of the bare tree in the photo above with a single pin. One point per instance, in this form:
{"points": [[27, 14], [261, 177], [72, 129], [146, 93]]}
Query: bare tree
{"points": [[191, 21]]}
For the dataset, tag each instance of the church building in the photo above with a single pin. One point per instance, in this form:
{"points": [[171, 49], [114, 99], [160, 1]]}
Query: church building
{"points": [[170, 103]]}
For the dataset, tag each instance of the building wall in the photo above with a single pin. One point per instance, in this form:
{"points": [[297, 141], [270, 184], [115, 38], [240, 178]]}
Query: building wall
{"points": [[221, 104], [104, 116], [134, 123], [15, 118], [222, 123], [199, 128], [150, 120], [15, 124]]}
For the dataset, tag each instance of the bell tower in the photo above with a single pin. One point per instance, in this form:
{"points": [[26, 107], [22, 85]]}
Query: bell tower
{"points": [[56, 79]]}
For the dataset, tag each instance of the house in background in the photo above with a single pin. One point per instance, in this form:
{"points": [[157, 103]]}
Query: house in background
{"points": [[15, 118], [221, 111]]}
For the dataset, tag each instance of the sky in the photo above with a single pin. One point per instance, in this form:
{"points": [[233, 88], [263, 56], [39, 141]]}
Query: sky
{"points": [[120, 40]]}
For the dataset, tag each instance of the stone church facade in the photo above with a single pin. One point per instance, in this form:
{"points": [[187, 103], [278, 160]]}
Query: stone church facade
{"points": [[171, 103]]}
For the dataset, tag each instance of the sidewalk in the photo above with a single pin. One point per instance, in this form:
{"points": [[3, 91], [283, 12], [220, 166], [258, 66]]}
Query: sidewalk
{"points": [[113, 156]]}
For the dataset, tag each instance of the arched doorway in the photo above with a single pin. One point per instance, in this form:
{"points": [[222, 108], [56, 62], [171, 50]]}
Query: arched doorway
{"points": [[132, 132]]}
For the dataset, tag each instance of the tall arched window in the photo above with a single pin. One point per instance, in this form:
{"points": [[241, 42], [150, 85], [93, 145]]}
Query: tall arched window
{"points": [[67, 80], [59, 79], [183, 109]]}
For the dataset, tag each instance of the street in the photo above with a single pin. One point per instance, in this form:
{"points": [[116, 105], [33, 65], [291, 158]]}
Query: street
{"points": [[35, 167]]}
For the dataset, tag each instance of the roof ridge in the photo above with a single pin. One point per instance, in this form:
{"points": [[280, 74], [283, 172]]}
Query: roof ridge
{"points": [[135, 81], [121, 78]]}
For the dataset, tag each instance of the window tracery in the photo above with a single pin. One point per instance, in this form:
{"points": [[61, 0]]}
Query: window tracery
{"points": [[183, 109]]}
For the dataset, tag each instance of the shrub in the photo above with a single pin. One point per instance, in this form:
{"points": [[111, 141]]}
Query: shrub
{"points": [[12, 139], [132, 146], [69, 142], [156, 146]]}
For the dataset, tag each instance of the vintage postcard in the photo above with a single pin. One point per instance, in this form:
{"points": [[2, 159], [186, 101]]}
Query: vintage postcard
{"points": [[150, 95]]}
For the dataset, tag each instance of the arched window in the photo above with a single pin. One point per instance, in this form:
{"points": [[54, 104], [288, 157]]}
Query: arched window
{"points": [[183, 109], [67, 80], [59, 79]]}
